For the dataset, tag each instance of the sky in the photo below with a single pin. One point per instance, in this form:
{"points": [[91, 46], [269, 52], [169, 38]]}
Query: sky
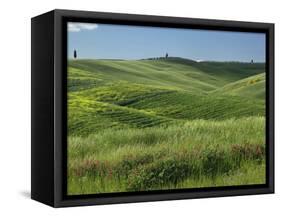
{"points": [[105, 41]]}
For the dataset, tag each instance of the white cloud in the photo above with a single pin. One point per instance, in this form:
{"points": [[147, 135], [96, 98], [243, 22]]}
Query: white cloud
{"points": [[77, 27]]}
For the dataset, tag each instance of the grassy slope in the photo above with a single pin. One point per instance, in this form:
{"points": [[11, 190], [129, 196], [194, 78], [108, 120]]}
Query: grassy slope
{"points": [[252, 87], [131, 111], [177, 73], [173, 73], [147, 93], [194, 153]]}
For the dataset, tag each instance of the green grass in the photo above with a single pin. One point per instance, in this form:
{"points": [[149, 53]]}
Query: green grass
{"points": [[174, 72], [252, 87], [86, 117], [123, 104], [159, 157], [164, 124]]}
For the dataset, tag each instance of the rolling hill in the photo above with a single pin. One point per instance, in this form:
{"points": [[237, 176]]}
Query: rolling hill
{"points": [[138, 125], [176, 72], [145, 93], [252, 87]]}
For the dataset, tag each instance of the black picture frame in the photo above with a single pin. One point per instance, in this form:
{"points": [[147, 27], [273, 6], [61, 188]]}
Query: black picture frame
{"points": [[49, 116]]}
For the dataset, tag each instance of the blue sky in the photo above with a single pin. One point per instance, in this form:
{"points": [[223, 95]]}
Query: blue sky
{"points": [[104, 41]]}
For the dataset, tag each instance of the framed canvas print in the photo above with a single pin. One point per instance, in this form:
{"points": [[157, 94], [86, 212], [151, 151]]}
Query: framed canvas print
{"points": [[131, 108]]}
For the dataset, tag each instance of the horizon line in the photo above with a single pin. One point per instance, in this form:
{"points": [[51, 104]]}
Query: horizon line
{"points": [[162, 58]]}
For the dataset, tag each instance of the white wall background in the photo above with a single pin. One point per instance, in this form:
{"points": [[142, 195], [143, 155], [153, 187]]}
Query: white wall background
{"points": [[15, 106]]}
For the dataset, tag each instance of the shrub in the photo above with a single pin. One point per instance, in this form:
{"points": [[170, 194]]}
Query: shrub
{"points": [[215, 161], [248, 152], [159, 173], [130, 162]]}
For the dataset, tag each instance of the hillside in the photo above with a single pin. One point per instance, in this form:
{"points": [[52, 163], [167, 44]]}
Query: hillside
{"points": [[144, 93], [157, 124], [252, 87], [174, 72], [227, 71]]}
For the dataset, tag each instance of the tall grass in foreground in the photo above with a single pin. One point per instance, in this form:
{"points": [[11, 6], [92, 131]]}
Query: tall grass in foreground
{"points": [[196, 153]]}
